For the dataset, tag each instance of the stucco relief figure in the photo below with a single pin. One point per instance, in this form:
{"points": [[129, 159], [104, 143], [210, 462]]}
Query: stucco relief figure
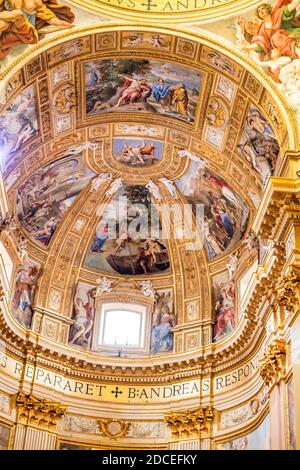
{"points": [[162, 323], [21, 21], [99, 181], [272, 36], [192, 156], [104, 285], [154, 190], [169, 186], [225, 310], [23, 295], [258, 143], [114, 187], [232, 264], [147, 289], [84, 309]]}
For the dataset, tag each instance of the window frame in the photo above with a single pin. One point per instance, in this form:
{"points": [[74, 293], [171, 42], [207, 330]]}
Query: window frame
{"points": [[103, 308]]}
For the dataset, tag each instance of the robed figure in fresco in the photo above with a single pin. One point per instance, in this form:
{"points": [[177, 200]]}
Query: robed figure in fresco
{"points": [[274, 37], [21, 21]]}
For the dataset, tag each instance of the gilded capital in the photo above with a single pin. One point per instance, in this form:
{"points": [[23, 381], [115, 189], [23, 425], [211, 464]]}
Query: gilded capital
{"points": [[272, 366], [287, 290], [188, 424], [37, 412]]}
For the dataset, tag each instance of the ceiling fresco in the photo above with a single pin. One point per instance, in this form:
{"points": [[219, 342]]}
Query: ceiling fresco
{"points": [[267, 35], [141, 85], [158, 118]]}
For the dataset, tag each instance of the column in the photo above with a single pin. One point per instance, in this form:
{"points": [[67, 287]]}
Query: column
{"points": [[295, 359], [273, 371], [191, 430], [36, 425]]}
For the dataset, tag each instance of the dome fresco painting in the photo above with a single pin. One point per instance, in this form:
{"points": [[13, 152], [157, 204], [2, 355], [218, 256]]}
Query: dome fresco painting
{"points": [[149, 224]]}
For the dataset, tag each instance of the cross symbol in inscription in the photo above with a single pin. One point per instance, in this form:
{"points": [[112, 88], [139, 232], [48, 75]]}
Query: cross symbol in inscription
{"points": [[116, 392], [148, 4]]}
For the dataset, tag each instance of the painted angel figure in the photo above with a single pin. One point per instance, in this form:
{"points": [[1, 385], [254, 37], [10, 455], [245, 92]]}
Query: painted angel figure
{"points": [[273, 36], [154, 190], [104, 285], [114, 187], [170, 187], [147, 289], [98, 182]]}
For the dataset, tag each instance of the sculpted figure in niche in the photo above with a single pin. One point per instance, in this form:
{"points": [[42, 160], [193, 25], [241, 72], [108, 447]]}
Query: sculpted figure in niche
{"points": [[225, 310], [84, 308], [23, 296], [162, 324]]}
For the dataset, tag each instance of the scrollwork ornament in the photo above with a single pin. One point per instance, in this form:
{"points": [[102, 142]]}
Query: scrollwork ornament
{"points": [[114, 428]]}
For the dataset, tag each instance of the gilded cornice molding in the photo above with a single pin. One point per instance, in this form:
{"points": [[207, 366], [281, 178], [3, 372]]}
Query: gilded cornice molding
{"points": [[38, 412], [189, 424], [165, 11]]}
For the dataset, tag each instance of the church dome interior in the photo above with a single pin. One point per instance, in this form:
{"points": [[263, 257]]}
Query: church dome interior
{"points": [[149, 232]]}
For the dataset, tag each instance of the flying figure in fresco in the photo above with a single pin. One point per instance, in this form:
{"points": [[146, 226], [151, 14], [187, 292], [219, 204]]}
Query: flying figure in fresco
{"points": [[21, 21]]}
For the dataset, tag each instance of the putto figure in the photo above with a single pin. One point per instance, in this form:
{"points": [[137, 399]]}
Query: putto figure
{"points": [[170, 187], [104, 285], [154, 190], [147, 289], [98, 182], [114, 187]]}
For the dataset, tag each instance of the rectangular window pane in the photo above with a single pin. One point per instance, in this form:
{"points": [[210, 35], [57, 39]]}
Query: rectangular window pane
{"points": [[122, 328]]}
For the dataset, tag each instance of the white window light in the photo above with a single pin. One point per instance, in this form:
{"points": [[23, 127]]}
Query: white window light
{"points": [[121, 326]]}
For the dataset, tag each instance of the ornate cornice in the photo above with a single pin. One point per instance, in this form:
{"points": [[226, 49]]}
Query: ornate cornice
{"points": [[189, 424]]}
